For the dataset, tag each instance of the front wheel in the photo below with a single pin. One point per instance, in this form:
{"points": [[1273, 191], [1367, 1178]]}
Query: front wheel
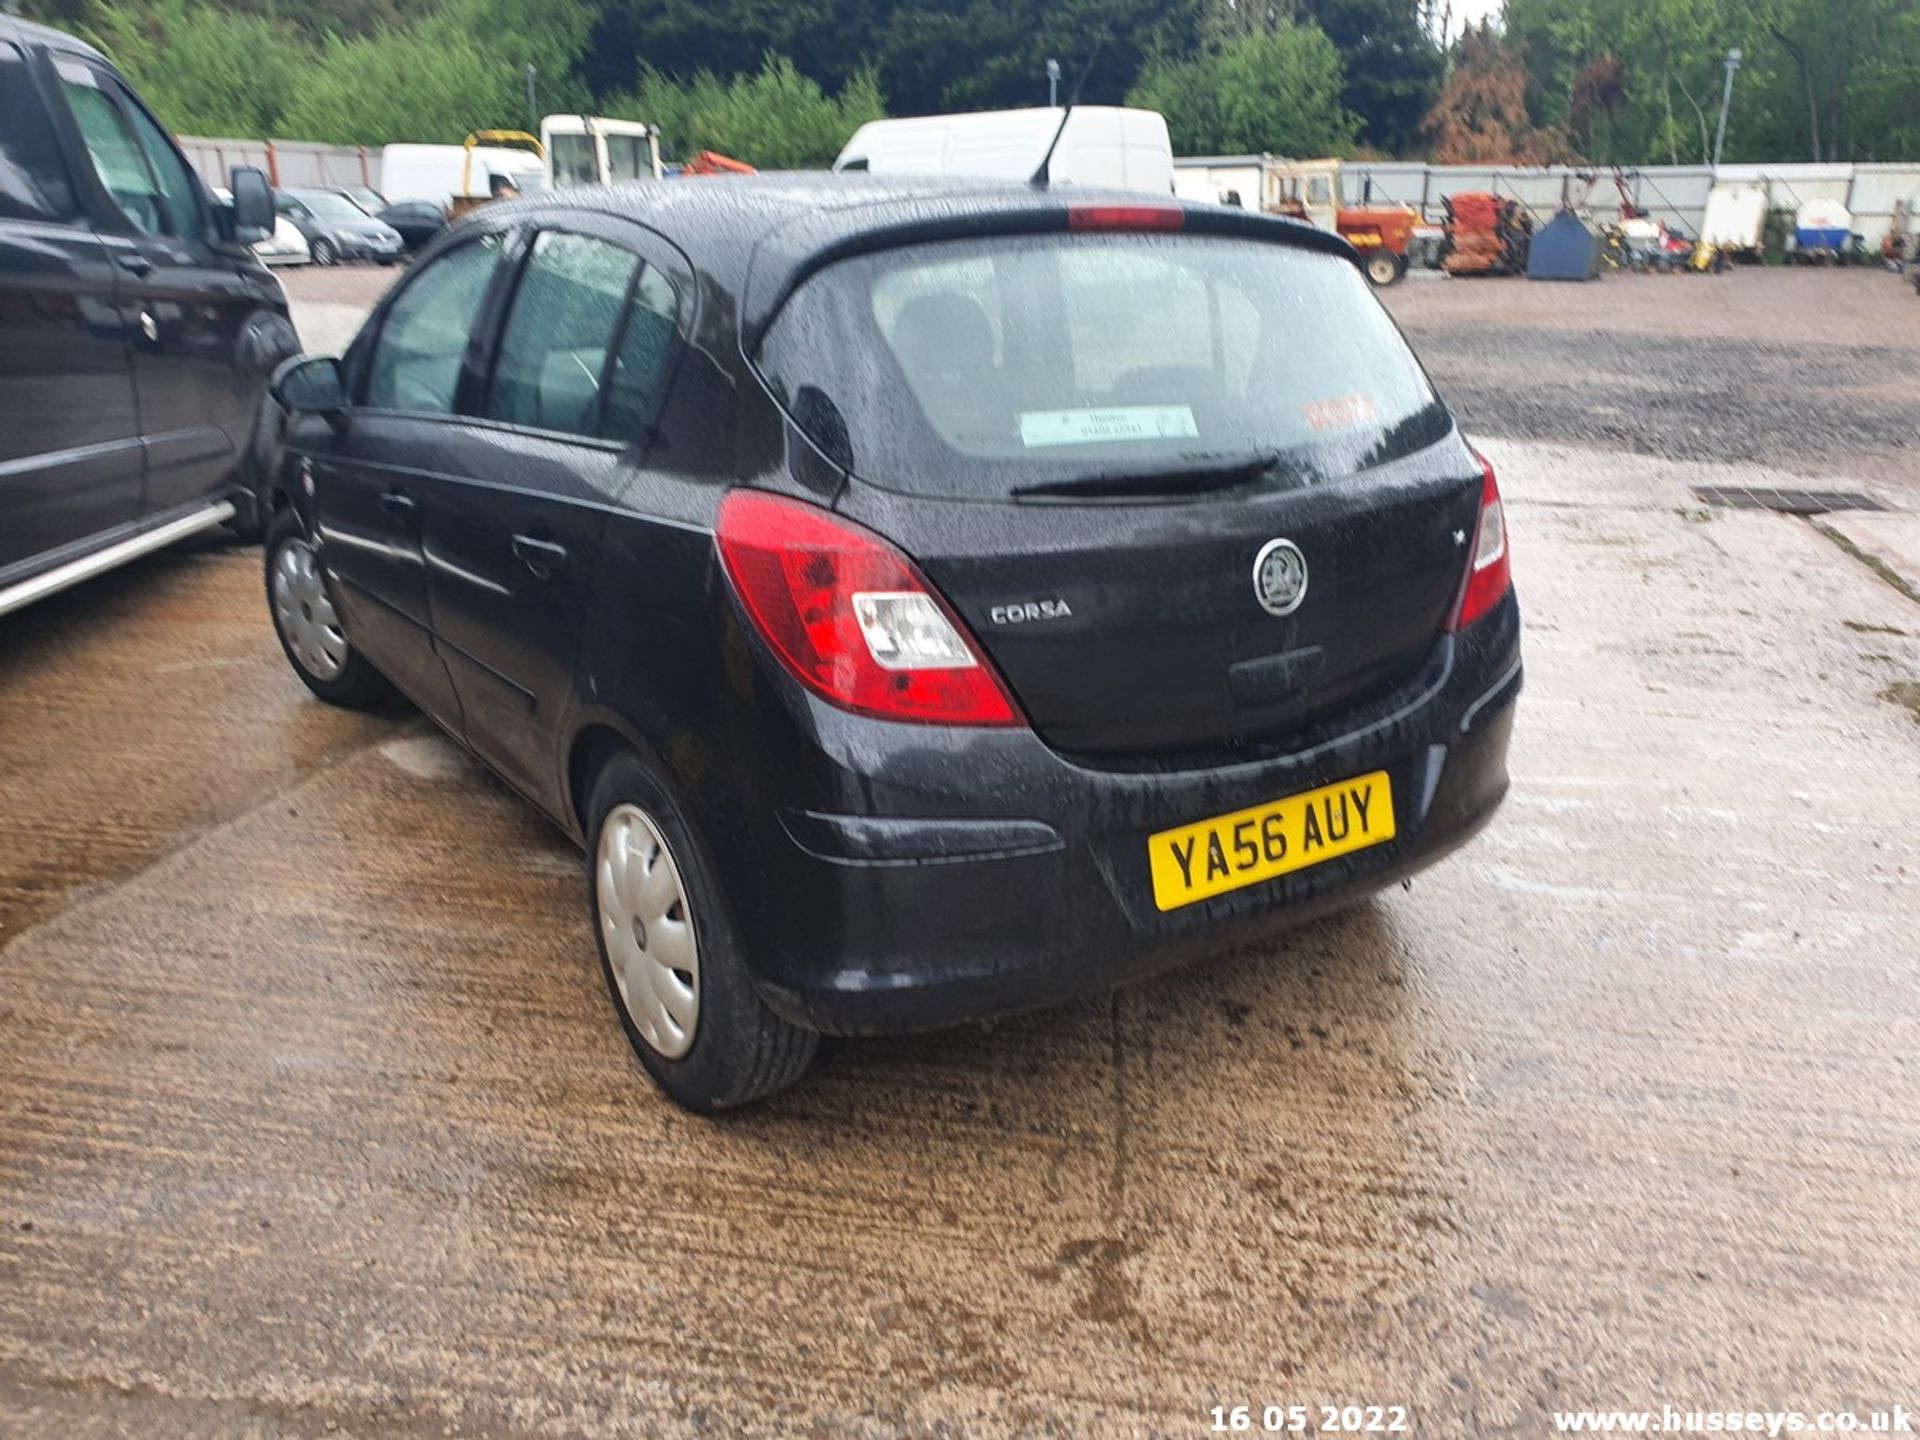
{"points": [[310, 631], [324, 253], [1384, 267], [668, 953]]}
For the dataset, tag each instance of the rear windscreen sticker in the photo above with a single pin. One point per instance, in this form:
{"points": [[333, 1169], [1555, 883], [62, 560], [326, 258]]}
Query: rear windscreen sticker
{"points": [[1341, 412], [1095, 427]]}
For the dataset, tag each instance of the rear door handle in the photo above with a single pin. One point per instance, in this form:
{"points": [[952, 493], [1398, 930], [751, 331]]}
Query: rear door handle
{"points": [[134, 263], [542, 557], [396, 502]]}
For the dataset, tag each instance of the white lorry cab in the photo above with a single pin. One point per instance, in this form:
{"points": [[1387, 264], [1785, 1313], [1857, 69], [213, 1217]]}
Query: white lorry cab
{"points": [[457, 177], [594, 150], [1104, 145]]}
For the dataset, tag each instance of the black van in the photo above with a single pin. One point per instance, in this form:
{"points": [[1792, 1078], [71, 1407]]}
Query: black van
{"points": [[137, 330]]}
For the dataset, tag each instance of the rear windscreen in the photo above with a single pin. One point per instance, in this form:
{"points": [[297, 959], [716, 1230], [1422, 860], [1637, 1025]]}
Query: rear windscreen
{"points": [[973, 367]]}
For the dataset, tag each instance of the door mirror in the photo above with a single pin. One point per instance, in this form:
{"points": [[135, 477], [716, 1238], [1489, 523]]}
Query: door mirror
{"points": [[252, 204], [309, 383]]}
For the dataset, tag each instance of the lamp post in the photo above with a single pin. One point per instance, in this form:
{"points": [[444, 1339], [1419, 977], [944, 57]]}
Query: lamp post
{"points": [[530, 74], [1732, 63], [1053, 83]]}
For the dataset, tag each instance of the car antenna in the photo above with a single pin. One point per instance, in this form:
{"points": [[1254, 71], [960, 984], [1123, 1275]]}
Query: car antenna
{"points": [[1042, 177]]}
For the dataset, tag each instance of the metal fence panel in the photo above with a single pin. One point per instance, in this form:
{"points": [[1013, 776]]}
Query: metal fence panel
{"points": [[287, 162]]}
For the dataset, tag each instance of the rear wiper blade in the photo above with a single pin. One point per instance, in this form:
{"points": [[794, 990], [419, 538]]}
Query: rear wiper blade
{"points": [[1188, 477]]}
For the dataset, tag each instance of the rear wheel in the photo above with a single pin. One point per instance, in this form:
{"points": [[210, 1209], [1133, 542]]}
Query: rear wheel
{"points": [[310, 632], [668, 953], [1384, 267], [324, 253]]}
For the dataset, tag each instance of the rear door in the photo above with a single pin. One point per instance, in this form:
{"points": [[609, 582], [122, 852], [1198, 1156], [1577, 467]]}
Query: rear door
{"points": [[188, 305], [69, 437], [1191, 493], [513, 516], [371, 472]]}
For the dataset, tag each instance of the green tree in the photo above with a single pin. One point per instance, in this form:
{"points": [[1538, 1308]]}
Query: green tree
{"points": [[775, 118], [1392, 64], [205, 71], [1279, 92]]}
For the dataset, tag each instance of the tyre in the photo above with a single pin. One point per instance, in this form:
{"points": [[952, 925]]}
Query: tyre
{"points": [[667, 951], [324, 253], [1384, 267], [310, 632]]}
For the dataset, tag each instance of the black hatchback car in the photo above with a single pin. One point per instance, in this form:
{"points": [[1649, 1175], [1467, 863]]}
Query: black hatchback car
{"points": [[921, 602]]}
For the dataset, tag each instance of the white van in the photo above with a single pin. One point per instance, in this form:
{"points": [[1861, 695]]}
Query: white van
{"points": [[1102, 145], [440, 174], [594, 150]]}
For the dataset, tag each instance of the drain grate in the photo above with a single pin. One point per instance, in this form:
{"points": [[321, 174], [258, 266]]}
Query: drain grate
{"points": [[1786, 502]]}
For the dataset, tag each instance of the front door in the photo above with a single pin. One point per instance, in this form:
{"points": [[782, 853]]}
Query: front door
{"points": [[186, 305], [372, 466], [514, 523], [69, 438]]}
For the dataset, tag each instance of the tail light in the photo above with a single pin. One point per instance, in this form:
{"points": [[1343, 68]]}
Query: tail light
{"points": [[1489, 572], [1125, 217], [851, 618]]}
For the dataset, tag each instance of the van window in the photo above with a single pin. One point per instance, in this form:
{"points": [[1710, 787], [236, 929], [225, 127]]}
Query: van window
{"points": [[573, 160], [970, 367], [627, 158], [33, 181], [135, 161], [114, 152]]}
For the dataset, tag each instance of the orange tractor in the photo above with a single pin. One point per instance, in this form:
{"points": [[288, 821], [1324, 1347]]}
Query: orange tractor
{"points": [[1310, 190]]}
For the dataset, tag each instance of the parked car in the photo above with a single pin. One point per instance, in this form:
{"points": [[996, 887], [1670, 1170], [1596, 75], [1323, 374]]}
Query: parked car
{"points": [[920, 603], [137, 329], [417, 221], [366, 197], [337, 229], [285, 246]]}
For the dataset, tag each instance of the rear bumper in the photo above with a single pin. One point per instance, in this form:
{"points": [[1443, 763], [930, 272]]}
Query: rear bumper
{"points": [[964, 875]]}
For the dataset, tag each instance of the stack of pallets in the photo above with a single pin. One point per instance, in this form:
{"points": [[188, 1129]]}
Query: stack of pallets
{"points": [[1486, 235]]}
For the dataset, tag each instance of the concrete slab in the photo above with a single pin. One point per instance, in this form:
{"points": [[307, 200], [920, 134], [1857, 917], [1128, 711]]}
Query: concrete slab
{"points": [[313, 1117]]}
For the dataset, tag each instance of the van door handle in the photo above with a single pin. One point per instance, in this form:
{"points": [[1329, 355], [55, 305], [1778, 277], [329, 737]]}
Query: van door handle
{"points": [[134, 263], [544, 558], [397, 502]]}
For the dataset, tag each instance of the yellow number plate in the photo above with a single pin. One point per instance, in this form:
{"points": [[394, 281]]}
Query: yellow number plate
{"points": [[1195, 862]]}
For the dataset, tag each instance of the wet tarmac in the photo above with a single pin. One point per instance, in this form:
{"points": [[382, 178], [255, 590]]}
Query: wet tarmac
{"points": [[314, 1119]]}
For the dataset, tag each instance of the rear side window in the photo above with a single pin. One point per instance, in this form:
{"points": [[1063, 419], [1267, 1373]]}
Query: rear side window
{"points": [[553, 354], [33, 181], [423, 340], [971, 367], [640, 367]]}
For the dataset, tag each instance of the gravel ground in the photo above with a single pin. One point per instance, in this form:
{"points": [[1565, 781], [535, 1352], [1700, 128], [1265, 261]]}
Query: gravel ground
{"points": [[1814, 371]]}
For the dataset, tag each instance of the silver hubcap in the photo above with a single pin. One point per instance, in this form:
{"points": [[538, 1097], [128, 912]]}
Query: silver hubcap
{"points": [[647, 924], [305, 614]]}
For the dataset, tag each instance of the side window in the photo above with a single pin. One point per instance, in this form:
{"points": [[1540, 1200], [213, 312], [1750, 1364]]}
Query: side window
{"points": [[178, 187], [417, 354], [114, 152], [553, 353], [132, 156], [33, 181], [640, 368]]}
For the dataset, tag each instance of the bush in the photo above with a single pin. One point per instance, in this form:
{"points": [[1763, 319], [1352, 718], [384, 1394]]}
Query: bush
{"points": [[206, 71]]}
